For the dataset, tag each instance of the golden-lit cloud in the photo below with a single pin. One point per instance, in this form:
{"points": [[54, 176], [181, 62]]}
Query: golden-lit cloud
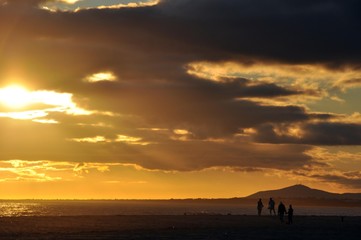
{"points": [[281, 101], [49, 171], [181, 135], [131, 140], [293, 130], [52, 180], [354, 118], [181, 132], [337, 155], [95, 139], [85, 168], [148, 3], [33, 114], [68, 1], [119, 139], [37, 171], [306, 76], [46, 121], [77, 5], [101, 76], [154, 129]]}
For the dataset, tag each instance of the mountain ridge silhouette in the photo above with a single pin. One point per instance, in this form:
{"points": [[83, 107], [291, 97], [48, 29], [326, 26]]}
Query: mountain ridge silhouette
{"points": [[303, 192]]}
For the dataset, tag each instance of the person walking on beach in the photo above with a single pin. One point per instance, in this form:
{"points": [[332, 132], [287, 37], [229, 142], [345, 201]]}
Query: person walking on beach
{"points": [[281, 211], [259, 206], [290, 215], [271, 207]]}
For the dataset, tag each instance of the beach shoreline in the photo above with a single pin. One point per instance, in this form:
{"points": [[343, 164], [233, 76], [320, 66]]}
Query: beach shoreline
{"points": [[178, 227]]}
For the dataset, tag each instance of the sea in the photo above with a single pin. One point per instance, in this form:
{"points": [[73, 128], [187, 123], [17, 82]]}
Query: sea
{"points": [[19, 208]]}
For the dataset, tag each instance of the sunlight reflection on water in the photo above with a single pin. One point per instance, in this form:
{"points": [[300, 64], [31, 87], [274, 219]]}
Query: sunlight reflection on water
{"points": [[15, 209]]}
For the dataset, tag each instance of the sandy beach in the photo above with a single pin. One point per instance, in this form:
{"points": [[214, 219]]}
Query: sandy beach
{"points": [[178, 227]]}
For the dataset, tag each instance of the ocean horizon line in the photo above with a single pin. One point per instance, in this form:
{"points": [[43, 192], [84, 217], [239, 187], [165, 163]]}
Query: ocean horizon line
{"points": [[115, 199]]}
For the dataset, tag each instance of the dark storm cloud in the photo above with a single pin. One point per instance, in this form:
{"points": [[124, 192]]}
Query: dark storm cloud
{"points": [[154, 43], [315, 133], [354, 182], [292, 31], [207, 112], [349, 179], [333, 134], [31, 3], [242, 87], [268, 90], [41, 141], [196, 155], [215, 29]]}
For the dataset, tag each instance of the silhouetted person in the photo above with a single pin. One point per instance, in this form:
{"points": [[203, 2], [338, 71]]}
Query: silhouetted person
{"points": [[281, 211], [259, 207], [290, 215], [271, 206]]}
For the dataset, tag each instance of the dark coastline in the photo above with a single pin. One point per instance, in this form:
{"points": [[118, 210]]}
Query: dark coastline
{"points": [[178, 227]]}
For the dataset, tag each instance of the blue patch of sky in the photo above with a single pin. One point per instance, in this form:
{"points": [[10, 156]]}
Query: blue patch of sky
{"points": [[349, 105]]}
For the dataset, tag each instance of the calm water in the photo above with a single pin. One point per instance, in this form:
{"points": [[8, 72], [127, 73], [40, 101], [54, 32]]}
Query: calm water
{"points": [[76, 208]]}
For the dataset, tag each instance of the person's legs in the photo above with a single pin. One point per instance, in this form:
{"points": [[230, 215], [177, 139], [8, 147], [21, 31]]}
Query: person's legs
{"points": [[281, 217]]}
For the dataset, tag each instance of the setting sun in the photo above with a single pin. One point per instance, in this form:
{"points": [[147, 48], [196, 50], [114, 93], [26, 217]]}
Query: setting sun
{"points": [[18, 99], [14, 96]]}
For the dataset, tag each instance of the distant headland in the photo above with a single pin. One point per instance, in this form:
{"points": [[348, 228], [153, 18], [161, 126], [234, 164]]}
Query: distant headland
{"points": [[300, 191]]}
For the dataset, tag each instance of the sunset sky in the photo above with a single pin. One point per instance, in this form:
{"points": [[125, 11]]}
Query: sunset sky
{"points": [[178, 98]]}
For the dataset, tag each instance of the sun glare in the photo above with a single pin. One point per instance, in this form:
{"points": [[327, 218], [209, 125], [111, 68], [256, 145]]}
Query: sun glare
{"points": [[14, 96], [18, 99]]}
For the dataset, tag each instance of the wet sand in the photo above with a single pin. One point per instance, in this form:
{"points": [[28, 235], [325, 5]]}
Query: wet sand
{"points": [[178, 227]]}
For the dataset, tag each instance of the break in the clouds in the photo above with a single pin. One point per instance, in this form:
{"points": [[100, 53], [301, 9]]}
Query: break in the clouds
{"points": [[179, 85]]}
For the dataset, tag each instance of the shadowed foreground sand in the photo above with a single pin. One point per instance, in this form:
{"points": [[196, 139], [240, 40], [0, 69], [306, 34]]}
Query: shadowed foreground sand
{"points": [[178, 227]]}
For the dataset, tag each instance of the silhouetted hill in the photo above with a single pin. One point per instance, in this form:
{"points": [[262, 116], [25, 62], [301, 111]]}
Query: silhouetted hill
{"points": [[303, 192]]}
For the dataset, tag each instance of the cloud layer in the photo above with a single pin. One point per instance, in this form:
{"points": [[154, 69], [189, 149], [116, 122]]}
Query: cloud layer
{"points": [[183, 85]]}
